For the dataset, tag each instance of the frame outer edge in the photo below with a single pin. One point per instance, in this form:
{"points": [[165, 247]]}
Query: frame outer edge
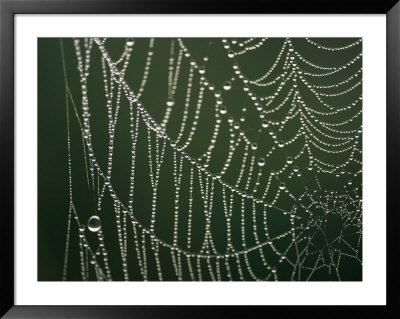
{"points": [[7, 143], [7, 156], [392, 155]]}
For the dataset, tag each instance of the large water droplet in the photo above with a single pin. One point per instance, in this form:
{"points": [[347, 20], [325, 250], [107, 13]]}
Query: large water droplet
{"points": [[282, 186], [281, 143], [264, 123], [231, 54], [202, 69], [94, 223], [254, 146], [222, 109], [289, 160]]}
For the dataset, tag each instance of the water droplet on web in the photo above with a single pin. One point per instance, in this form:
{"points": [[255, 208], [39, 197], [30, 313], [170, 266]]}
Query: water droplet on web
{"points": [[231, 54], [289, 160], [227, 85], [222, 109], [254, 146], [261, 162], [350, 182], [202, 69], [281, 143], [94, 224], [282, 186], [264, 123], [295, 168], [129, 43], [170, 102]]}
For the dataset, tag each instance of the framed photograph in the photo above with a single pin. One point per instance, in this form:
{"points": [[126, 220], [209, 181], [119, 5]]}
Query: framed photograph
{"points": [[181, 159]]}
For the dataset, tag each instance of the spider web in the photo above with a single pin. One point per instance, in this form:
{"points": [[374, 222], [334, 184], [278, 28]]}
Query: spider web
{"points": [[256, 177]]}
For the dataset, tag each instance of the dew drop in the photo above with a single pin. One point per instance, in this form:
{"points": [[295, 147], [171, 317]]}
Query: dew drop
{"points": [[295, 168], [231, 54], [94, 224], [222, 109], [282, 185], [264, 123], [254, 146], [261, 162], [202, 69], [227, 85], [289, 160], [281, 143], [170, 102]]}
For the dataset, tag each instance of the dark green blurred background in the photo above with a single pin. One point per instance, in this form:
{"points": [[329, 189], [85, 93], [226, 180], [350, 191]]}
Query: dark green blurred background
{"points": [[53, 167]]}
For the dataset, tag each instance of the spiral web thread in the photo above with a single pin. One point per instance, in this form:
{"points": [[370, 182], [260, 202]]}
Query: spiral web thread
{"points": [[255, 195]]}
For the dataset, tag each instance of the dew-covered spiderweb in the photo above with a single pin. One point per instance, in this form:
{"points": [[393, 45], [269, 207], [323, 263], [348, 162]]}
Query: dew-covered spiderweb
{"points": [[213, 159]]}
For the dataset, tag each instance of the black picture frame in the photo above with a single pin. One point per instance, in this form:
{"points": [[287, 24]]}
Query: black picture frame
{"points": [[8, 10]]}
